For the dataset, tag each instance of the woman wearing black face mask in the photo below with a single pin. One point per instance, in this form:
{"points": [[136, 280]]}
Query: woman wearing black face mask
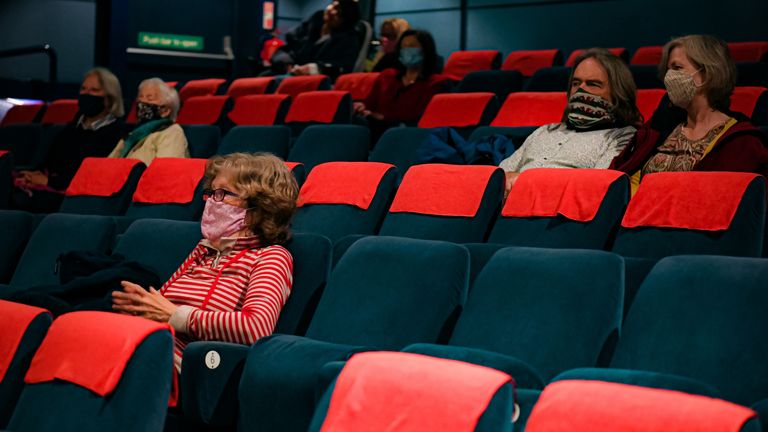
{"points": [[96, 129]]}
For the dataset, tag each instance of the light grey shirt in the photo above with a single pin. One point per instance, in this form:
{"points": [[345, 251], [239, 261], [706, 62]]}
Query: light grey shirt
{"points": [[556, 146]]}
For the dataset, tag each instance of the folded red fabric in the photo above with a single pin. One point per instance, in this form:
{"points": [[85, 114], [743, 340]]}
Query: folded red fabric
{"points": [[170, 181], [319, 106], [16, 319], [598, 406], [383, 391], [442, 190], [576, 194], [705, 201], [455, 110], [350, 183], [101, 177]]}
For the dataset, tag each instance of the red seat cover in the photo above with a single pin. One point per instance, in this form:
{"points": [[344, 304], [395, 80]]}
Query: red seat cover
{"points": [[22, 114], [249, 86], [101, 177], [572, 58], [300, 84], [201, 110], [648, 55], [203, 87], [455, 110], [317, 106], [442, 190], [60, 111], [350, 183], [528, 62], [170, 181], [359, 85], [257, 110], [16, 319], [461, 63], [531, 109]]}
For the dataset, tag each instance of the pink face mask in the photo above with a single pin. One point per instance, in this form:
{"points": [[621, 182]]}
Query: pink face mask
{"points": [[221, 219]]}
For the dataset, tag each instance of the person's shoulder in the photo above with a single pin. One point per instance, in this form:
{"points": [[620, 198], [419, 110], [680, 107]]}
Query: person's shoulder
{"points": [[276, 252]]}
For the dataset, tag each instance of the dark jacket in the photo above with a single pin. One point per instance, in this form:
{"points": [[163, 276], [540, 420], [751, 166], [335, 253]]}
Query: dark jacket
{"points": [[334, 56], [742, 148]]}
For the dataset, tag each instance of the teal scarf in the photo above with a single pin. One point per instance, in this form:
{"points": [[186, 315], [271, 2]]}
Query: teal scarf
{"points": [[142, 132]]}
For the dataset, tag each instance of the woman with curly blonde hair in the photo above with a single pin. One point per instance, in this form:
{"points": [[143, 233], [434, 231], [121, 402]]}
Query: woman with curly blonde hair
{"points": [[234, 284]]}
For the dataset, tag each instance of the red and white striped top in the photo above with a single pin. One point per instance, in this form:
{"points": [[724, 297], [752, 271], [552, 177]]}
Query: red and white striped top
{"points": [[234, 296]]}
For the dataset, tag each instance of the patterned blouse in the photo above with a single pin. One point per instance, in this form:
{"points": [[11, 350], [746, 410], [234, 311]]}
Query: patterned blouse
{"points": [[556, 146], [678, 153]]}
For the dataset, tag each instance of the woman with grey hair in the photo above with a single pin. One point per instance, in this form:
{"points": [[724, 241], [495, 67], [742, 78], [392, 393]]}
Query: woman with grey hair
{"points": [[598, 122], [157, 134], [97, 127], [697, 132]]}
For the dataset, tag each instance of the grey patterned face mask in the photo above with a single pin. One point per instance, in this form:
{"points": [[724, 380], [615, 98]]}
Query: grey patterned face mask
{"points": [[680, 87]]}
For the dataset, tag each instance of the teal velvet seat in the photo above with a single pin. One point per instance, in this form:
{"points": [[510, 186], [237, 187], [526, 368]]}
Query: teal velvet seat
{"points": [[327, 143], [31, 324], [252, 139], [399, 146], [202, 140], [385, 293], [422, 214], [699, 318], [335, 217], [16, 227]]}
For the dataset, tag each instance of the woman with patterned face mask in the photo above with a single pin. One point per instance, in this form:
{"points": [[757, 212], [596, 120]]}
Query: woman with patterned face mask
{"points": [[697, 131], [234, 284], [401, 94], [156, 134], [597, 124]]}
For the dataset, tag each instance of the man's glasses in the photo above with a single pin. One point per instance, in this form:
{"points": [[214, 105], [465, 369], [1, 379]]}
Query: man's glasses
{"points": [[218, 194]]}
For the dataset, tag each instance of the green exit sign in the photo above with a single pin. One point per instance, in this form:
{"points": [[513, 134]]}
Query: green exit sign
{"points": [[171, 41]]}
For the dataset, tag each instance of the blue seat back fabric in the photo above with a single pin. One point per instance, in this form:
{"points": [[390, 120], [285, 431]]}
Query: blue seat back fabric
{"points": [[23, 141], [702, 317], [202, 140], [15, 229], [327, 143], [6, 168], [499, 82], [399, 147], [252, 139], [311, 268], [114, 205], [495, 418], [553, 309], [453, 229], [339, 220], [159, 244], [551, 79], [57, 234], [646, 76], [752, 74], [145, 383], [517, 135], [743, 238], [559, 232], [13, 381], [190, 211], [390, 292]]}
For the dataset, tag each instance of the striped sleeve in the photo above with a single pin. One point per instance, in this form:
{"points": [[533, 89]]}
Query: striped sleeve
{"points": [[268, 289]]}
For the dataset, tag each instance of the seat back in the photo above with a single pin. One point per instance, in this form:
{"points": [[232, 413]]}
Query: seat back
{"points": [[562, 208], [60, 111], [344, 198], [320, 107], [26, 113], [646, 76], [602, 407], [170, 188], [201, 110], [59, 233], [252, 139], [531, 109], [103, 186], [328, 143], [517, 135], [445, 202], [648, 100], [399, 147], [410, 289], [551, 79], [753, 74], [129, 363], [460, 63], [202, 140], [371, 394], [459, 110], [577, 315], [260, 110], [748, 51], [527, 62], [201, 87], [752, 102], [311, 268], [647, 55], [619, 52], [678, 213], [718, 304], [499, 82], [23, 140], [23, 329], [359, 85], [251, 86], [159, 244], [294, 85], [15, 229]]}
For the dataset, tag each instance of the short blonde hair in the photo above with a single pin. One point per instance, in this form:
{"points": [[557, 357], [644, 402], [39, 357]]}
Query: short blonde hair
{"points": [[267, 185], [398, 24], [112, 90], [712, 56], [169, 94]]}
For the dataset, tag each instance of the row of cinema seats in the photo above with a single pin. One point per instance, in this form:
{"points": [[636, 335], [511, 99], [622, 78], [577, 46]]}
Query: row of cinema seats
{"points": [[554, 320]]}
